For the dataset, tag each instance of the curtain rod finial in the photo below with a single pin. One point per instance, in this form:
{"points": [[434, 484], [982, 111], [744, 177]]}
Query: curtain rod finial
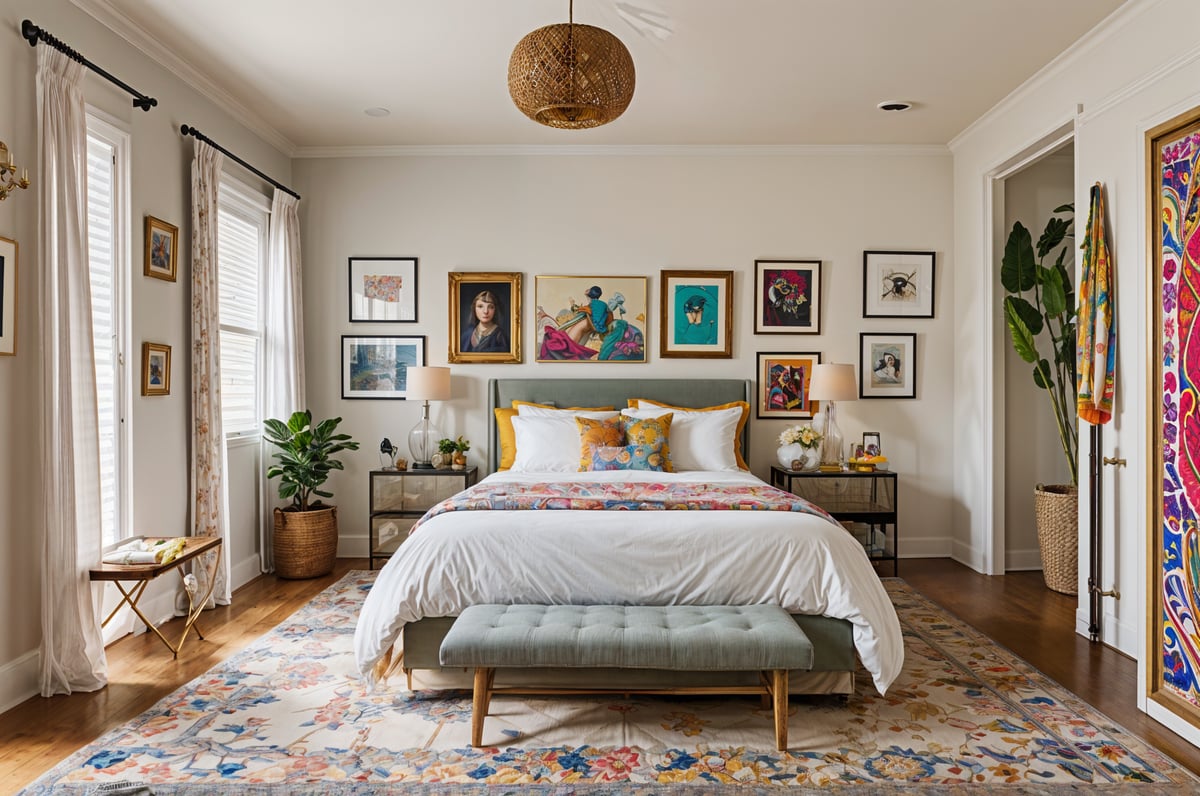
{"points": [[30, 32]]}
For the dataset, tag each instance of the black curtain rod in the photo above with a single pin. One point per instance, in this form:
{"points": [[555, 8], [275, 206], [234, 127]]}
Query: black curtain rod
{"points": [[194, 133], [33, 34]]}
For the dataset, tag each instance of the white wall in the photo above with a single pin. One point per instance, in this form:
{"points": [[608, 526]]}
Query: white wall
{"points": [[1124, 81], [636, 214], [161, 187], [1033, 453]]}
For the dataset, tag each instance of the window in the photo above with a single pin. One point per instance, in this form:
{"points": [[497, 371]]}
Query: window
{"points": [[108, 264], [242, 226]]}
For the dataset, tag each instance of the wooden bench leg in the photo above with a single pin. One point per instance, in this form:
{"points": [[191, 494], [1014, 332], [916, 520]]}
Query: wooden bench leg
{"points": [[779, 689], [479, 703]]}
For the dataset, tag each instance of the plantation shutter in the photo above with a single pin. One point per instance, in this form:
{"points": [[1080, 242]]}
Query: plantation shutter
{"points": [[239, 259], [101, 267]]}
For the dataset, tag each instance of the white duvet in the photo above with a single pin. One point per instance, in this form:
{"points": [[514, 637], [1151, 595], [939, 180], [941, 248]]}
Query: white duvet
{"points": [[802, 562]]}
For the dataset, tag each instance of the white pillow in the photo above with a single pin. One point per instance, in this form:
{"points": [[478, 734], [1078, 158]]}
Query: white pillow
{"points": [[525, 410], [549, 444], [699, 440]]}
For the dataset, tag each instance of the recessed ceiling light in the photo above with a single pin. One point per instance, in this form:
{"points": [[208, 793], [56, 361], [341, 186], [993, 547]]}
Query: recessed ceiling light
{"points": [[377, 112], [894, 105]]}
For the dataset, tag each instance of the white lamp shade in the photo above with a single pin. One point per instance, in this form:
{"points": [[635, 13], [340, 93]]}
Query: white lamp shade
{"points": [[427, 383], [833, 382]]}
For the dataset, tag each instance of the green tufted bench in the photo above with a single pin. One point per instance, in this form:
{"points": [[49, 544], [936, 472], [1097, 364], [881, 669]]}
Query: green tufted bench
{"points": [[716, 638]]}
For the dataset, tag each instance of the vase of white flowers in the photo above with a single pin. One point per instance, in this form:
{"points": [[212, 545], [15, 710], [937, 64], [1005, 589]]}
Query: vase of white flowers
{"points": [[802, 445]]}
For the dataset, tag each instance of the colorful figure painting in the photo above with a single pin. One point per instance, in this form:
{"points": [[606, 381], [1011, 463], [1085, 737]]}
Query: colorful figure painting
{"points": [[787, 297], [696, 311], [591, 319], [697, 314], [783, 381], [1175, 455]]}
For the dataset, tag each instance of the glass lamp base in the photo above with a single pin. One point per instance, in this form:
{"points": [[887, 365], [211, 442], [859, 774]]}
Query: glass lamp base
{"points": [[422, 444]]}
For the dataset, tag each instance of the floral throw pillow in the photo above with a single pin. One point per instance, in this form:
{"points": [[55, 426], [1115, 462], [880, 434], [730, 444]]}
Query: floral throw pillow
{"points": [[592, 433], [652, 432], [627, 457]]}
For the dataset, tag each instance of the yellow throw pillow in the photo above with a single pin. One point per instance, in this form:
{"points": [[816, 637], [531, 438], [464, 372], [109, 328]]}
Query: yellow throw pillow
{"points": [[653, 433], [741, 427], [597, 433], [508, 437]]}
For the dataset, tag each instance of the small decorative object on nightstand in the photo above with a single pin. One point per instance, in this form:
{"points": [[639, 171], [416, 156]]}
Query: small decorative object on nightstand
{"points": [[400, 497], [799, 448]]}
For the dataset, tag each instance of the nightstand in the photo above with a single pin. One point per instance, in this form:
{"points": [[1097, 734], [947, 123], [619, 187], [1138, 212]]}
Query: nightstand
{"points": [[400, 497], [866, 498]]}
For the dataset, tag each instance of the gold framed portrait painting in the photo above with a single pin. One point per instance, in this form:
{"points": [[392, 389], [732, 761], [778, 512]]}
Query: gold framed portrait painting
{"points": [[485, 317]]}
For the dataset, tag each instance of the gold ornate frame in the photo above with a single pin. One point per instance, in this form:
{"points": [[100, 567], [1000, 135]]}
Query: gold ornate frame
{"points": [[464, 287]]}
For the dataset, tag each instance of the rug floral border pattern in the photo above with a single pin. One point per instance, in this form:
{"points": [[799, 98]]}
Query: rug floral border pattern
{"points": [[289, 711]]}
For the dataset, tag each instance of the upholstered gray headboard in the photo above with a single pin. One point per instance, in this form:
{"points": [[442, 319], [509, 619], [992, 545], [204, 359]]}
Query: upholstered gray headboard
{"points": [[612, 392]]}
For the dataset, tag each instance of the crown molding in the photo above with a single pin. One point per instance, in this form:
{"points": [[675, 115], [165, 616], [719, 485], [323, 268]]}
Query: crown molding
{"points": [[103, 12], [1093, 39], [631, 150]]}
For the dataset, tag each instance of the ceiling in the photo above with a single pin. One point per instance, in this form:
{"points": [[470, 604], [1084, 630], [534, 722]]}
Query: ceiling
{"points": [[709, 72]]}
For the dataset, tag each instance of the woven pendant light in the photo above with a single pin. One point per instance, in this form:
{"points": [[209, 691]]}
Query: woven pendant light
{"points": [[571, 76]]}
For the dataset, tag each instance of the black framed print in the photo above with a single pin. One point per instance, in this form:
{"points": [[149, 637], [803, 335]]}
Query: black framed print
{"points": [[887, 365], [787, 296], [383, 289], [377, 367], [898, 284]]}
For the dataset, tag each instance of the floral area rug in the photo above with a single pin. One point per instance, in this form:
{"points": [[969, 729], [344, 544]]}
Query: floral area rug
{"points": [[289, 715]]}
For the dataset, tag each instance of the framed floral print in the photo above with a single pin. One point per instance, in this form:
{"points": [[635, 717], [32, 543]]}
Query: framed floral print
{"points": [[696, 318], [162, 249], [8, 297], [156, 369], [783, 381], [1173, 489], [887, 365], [898, 284], [590, 318], [377, 367], [787, 296], [485, 317], [383, 289]]}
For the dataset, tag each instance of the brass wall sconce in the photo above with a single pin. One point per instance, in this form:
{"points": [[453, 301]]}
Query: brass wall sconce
{"points": [[8, 173]]}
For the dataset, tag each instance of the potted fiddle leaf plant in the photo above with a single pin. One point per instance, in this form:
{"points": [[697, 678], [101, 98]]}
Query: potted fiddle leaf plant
{"points": [[1039, 309], [306, 533]]}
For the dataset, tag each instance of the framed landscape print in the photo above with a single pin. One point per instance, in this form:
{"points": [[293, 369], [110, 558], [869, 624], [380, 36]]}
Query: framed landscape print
{"points": [[8, 297], [898, 284], [696, 320], [383, 289], [162, 249], [783, 381], [1172, 657], [156, 369], [377, 367], [887, 365], [787, 296], [485, 317], [590, 318]]}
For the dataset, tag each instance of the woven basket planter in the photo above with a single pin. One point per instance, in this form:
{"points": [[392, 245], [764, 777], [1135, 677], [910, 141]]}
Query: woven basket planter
{"points": [[305, 543], [1056, 509]]}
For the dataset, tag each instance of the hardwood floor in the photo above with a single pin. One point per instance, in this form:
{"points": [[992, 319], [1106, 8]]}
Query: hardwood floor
{"points": [[1016, 610]]}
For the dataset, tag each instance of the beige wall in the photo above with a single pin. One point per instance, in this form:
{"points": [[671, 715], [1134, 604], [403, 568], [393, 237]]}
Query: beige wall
{"points": [[160, 186], [636, 214]]}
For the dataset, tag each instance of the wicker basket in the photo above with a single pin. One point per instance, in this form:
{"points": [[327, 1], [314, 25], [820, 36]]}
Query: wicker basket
{"points": [[1056, 509], [305, 543]]}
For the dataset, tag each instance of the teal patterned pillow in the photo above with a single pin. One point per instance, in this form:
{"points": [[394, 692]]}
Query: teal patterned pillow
{"points": [[627, 457]]}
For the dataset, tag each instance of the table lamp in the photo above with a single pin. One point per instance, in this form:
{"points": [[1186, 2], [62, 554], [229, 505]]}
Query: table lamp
{"points": [[425, 384], [831, 383]]}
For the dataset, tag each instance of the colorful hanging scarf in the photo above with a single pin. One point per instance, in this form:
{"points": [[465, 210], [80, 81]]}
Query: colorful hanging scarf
{"points": [[1096, 351]]}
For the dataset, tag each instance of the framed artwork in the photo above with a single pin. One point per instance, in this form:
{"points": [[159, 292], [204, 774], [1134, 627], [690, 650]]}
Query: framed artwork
{"points": [[1173, 490], [783, 381], [871, 445], [162, 249], [887, 365], [787, 296], [377, 367], [8, 297], [697, 314], [383, 289], [898, 284], [485, 317], [156, 369], [590, 318]]}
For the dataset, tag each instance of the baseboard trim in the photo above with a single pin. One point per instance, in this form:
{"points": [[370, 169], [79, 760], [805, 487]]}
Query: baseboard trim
{"points": [[19, 680], [1022, 560]]}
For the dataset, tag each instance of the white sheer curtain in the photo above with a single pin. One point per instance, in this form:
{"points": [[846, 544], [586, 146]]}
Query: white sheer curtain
{"points": [[72, 650], [283, 354], [208, 436]]}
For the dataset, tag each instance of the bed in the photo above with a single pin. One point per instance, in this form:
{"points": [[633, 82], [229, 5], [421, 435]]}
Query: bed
{"points": [[803, 561]]}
